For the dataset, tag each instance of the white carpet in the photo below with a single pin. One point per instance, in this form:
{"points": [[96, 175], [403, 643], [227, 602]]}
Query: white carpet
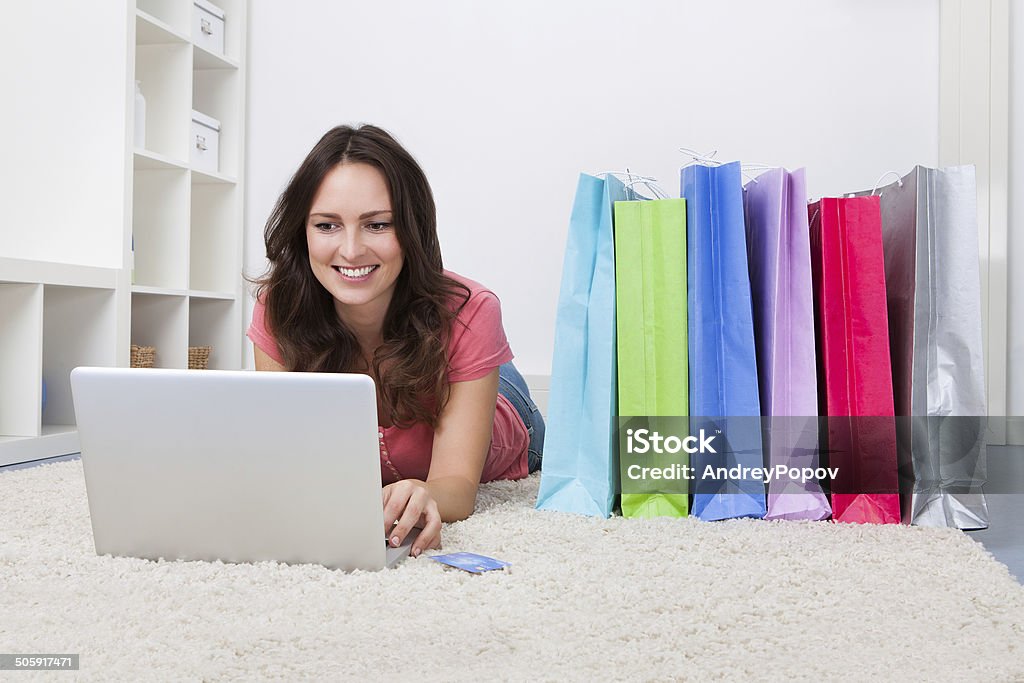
{"points": [[586, 599]]}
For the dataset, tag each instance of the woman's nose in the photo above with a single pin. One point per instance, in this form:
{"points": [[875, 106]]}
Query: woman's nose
{"points": [[351, 245]]}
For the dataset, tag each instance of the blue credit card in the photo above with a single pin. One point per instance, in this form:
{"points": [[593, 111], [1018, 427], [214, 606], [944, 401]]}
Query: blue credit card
{"points": [[471, 562]]}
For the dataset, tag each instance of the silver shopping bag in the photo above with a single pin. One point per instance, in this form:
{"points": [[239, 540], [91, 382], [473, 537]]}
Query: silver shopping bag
{"points": [[933, 291]]}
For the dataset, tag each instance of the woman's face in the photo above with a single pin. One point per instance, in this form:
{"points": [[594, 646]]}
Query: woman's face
{"points": [[353, 248]]}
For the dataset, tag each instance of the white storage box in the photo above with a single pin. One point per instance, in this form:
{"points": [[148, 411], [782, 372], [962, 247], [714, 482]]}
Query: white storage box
{"points": [[208, 26], [205, 142]]}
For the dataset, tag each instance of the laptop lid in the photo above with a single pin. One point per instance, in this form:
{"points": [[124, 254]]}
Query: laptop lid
{"points": [[232, 465]]}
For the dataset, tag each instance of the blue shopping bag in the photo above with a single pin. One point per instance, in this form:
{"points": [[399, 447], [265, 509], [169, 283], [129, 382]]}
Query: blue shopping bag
{"points": [[580, 471], [723, 364]]}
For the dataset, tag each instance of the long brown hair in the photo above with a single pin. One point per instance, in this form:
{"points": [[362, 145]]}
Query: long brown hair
{"points": [[411, 364]]}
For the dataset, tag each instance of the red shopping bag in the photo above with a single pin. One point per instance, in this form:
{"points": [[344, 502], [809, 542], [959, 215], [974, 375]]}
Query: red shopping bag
{"points": [[854, 370]]}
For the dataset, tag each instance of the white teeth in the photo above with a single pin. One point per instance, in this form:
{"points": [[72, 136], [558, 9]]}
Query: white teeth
{"points": [[355, 272]]}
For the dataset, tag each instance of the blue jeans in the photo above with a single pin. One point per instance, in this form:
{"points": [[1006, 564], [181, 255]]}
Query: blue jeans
{"points": [[512, 386]]}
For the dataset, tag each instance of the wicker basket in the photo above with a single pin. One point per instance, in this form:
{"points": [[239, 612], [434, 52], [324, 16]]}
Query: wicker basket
{"points": [[199, 357], [143, 356]]}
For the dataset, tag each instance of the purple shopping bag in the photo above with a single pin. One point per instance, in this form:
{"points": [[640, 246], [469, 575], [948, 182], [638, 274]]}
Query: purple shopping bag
{"points": [[779, 259]]}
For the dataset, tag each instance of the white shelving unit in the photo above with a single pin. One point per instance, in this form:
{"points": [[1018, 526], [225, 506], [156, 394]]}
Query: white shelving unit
{"points": [[56, 317], [123, 245]]}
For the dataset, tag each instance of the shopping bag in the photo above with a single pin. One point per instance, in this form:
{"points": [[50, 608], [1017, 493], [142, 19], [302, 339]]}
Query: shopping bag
{"points": [[855, 390], [723, 377], [580, 469], [933, 289], [779, 257], [650, 275]]}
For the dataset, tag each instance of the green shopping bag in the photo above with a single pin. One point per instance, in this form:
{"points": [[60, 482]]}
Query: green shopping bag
{"points": [[650, 305]]}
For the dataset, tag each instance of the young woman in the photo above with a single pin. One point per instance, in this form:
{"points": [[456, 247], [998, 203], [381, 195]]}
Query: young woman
{"points": [[356, 284]]}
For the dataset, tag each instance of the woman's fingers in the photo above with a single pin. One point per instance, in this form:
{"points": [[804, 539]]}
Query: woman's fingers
{"points": [[415, 506], [396, 498], [406, 506], [430, 536]]}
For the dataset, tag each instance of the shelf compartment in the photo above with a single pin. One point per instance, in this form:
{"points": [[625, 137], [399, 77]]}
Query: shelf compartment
{"points": [[160, 225], [79, 328], [234, 27], [204, 59], [214, 256], [158, 291], [165, 74], [146, 160], [200, 177], [220, 296], [149, 30], [173, 17], [218, 93], [216, 323], [197, 293], [21, 344], [161, 321]]}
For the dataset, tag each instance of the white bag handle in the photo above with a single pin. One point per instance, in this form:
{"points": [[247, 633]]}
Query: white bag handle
{"points": [[709, 160], [635, 179], [899, 181]]}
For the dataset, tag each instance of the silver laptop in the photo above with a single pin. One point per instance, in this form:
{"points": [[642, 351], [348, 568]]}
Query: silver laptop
{"points": [[233, 466]]}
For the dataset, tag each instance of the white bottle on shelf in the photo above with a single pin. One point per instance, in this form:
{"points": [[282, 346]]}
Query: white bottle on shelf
{"points": [[140, 117]]}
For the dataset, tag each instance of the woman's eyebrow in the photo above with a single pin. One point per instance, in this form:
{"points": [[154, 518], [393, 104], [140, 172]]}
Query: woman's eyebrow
{"points": [[362, 216]]}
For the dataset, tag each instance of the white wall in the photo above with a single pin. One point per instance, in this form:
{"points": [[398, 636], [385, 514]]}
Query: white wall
{"points": [[1015, 275], [64, 86], [505, 104]]}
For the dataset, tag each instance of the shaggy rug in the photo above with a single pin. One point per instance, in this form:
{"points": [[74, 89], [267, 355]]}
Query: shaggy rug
{"points": [[584, 599]]}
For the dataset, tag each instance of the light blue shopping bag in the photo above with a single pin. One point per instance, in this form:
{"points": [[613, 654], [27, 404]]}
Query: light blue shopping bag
{"points": [[580, 470]]}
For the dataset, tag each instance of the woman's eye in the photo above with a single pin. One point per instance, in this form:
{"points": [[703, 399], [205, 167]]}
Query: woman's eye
{"points": [[378, 227], [325, 227]]}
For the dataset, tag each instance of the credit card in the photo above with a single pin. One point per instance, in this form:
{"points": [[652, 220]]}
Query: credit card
{"points": [[470, 562]]}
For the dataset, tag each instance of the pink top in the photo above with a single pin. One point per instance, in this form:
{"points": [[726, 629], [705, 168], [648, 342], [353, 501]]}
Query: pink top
{"points": [[477, 346]]}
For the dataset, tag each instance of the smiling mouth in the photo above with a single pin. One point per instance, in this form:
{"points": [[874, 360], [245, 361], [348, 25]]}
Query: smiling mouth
{"points": [[355, 273]]}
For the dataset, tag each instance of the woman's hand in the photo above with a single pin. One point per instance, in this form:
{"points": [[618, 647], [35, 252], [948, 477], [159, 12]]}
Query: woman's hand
{"points": [[407, 504]]}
